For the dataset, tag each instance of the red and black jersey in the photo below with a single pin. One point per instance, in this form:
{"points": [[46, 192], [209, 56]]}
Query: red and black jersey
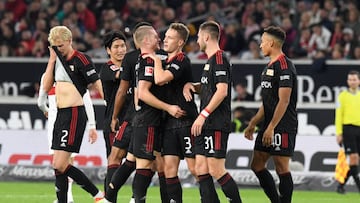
{"points": [[147, 115], [180, 67], [110, 86], [216, 70], [81, 70], [127, 73], [279, 74]]}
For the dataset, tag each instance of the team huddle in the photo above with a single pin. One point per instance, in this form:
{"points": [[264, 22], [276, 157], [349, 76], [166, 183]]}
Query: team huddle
{"points": [[151, 119]]}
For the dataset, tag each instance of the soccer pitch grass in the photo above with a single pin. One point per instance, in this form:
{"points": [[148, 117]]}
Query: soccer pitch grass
{"points": [[43, 192]]}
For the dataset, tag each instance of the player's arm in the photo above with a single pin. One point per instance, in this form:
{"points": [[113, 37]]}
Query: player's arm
{"points": [[41, 101], [98, 86], [219, 95], [190, 88], [215, 101], [161, 76], [49, 72], [146, 96], [280, 109], [89, 108], [119, 102], [250, 129]]}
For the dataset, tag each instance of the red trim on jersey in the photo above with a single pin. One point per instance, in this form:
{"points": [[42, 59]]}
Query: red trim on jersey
{"points": [[280, 58], [217, 135], [150, 139], [219, 58], [285, 140], [52, 91], [73, 123], [121, 131], [82, 58], [283, 64], [109, 62], [179, 56]]}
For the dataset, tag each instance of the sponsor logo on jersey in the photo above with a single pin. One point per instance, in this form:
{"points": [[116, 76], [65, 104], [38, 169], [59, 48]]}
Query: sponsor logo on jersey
{"points": [[72, 68], [285, 77], [270, 72], [266, 84], [206, 67], [114, 68], [175, 66], [218, 73], [90, 72], [204, 80], [149, 71]]}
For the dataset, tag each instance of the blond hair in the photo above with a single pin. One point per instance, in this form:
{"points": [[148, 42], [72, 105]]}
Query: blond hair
{"points": [[141, 33], [59, 32]]}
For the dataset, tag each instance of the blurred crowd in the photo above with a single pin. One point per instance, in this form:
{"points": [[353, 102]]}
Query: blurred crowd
{"points": [[324, 28]]}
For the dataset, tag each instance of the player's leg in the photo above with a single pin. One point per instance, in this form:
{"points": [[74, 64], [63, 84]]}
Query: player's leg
{"points": [[206, 183], [109, 139], [266, 180], [114, 161], [216, 163], [122, 141], [172, 151], [261, 155], [173, 185], [158, 165], [286, 184], [145, 139], [68, 135], [70, 181], [60, 161]]}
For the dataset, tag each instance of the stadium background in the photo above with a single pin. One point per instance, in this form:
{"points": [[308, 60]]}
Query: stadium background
{"points": [[23, 152]]}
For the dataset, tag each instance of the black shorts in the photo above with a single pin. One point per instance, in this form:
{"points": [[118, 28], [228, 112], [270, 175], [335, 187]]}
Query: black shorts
{"points": [[123, 136], [283, 144], [212, 143], [109, 140], [178, 142], [351, 139], [69, 129], [146, 141]]}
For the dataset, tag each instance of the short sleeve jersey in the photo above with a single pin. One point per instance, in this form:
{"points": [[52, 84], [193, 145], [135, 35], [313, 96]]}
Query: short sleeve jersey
{"points": [[110, 86], [279, 74], [216, 70], [180, 67], [82, 69], [147, 115], [127, 73]]}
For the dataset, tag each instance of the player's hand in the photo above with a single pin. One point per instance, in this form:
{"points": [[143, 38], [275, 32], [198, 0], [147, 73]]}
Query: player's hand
{"points": [[176, 111], [46, 114], [114, 125], [152, 56], [52, 54], [268, 137], [339, 139], [92, 135], [187, 91], [249, 132], [196, 128]]}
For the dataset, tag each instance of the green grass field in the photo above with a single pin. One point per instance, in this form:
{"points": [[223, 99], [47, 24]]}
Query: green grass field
{"points": [[43, 192]]}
